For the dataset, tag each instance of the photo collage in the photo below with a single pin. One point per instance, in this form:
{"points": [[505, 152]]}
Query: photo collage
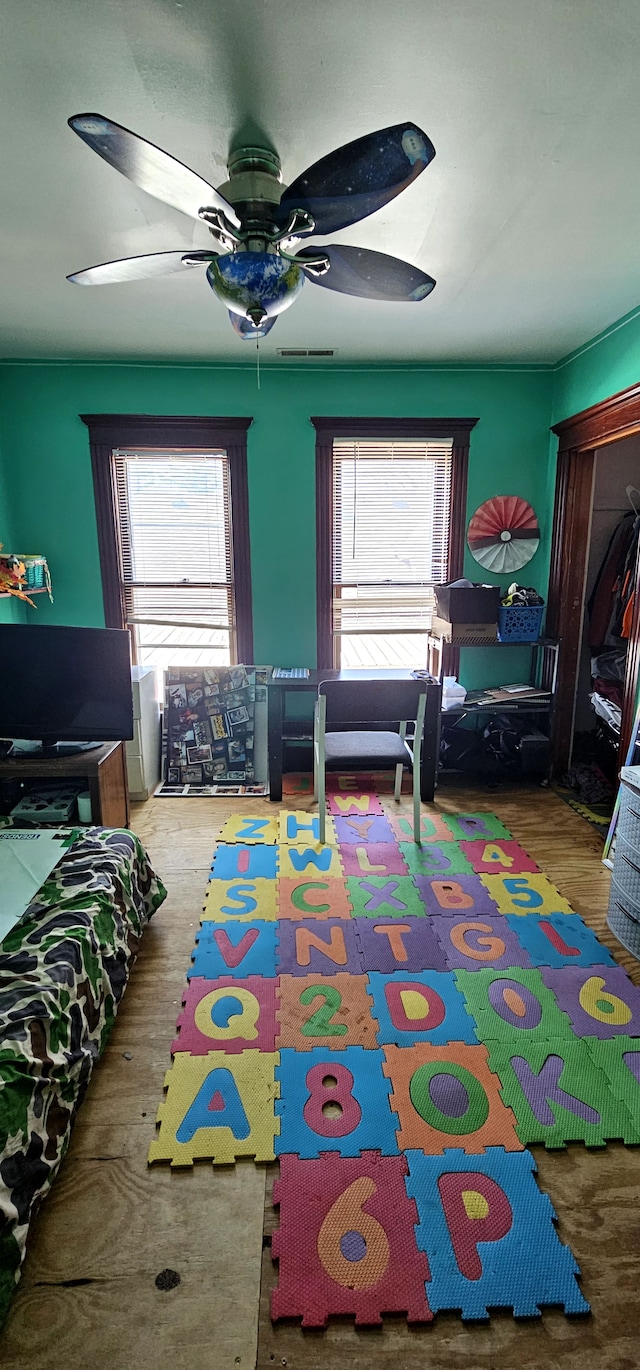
{"points": [[209, 729]]}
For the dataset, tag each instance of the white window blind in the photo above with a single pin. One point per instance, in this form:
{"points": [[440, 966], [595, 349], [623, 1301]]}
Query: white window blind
{"points": [[391, 519], [174, 513]]}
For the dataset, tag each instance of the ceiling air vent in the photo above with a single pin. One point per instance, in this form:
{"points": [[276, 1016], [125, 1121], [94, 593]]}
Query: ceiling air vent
{"points": [[306, 351]]}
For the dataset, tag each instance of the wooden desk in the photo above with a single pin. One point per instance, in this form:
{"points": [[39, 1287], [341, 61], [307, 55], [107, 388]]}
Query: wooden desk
{"points": [[279, 689], [102, 772]]}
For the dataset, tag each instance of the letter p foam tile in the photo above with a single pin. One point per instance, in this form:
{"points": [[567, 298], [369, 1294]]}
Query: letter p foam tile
{"points": [[489, 1235], [218, 1107], [346, 1243]]}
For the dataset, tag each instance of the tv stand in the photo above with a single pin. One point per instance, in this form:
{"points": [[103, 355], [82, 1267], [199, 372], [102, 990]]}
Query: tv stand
{"points": [[50, 749], [101, 771]]}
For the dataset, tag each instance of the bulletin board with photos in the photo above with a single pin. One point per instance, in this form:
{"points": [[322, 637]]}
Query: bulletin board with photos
{"points": [[209, 723]]}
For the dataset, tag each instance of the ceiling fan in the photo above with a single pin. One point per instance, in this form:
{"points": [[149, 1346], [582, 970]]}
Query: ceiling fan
{"points": [[258, 269]]}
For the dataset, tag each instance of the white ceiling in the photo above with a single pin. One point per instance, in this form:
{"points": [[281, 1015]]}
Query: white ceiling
{"points": [[529, 217]]}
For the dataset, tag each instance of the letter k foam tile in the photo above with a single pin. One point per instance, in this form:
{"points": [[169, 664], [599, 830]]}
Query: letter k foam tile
{"points": [[325, 1010], [242, 828], [241, 899], [234, 948], [227, 1015], [421, 1007], [601, 1001], [512, 1005], [489, 1235], [218, 1107], [338, 1102], [446, 1096], [346, 1242], [558, 1094]]}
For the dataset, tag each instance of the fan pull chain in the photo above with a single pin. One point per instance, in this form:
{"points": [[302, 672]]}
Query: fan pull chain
{"points": [[258, 361]]}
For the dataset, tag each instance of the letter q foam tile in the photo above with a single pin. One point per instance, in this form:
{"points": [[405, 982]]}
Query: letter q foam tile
{"points": [[558, 1094], [346, 1242], [227, 1015], [489, 1235], [218, 1107]]}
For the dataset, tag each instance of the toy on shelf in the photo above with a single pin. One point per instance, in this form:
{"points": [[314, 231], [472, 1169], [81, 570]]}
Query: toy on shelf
{"points": [[20, 574]]}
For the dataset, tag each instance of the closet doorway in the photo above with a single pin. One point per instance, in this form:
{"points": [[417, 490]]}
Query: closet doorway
{"points": [[592, 607]]}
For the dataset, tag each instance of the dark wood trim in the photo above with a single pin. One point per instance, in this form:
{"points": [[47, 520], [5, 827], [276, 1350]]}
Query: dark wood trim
{"points": [[616, 417], [109, 431], [632, 670], [328, 429]]}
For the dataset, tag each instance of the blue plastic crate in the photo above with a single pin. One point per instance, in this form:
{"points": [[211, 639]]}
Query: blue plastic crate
{"points": [[520, 622]]}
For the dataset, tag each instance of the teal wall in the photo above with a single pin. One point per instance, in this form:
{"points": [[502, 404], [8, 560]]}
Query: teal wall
{"points": [[604, 366], [11, 610], [47, 454]]}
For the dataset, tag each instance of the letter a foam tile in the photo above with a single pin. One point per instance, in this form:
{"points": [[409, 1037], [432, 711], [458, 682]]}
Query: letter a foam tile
{"points": [[352, 1084], [325, 1010], [559, 939], [601, 1001], [512, 1005], [446, 1096], [346, 1242], [218, 1107], [420, 1007], [489, 1235], [234, 948], [558, 1095], [242, 827], [241, 899], [619, 1059], [227, 1015]]}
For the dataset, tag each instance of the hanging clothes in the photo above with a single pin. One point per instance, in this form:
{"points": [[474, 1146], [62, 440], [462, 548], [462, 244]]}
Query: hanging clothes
{"points": [[611, 591]]}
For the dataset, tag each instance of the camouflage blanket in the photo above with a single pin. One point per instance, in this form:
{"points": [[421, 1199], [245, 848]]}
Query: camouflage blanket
{"points": [[63, 971]]}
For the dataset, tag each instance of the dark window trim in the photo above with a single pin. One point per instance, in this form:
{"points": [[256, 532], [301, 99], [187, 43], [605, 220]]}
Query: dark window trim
{"points": [[107, 431], [459, 430]]}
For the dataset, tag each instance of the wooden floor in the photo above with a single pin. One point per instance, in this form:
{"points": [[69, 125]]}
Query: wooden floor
{"points": [[88, 1299]]}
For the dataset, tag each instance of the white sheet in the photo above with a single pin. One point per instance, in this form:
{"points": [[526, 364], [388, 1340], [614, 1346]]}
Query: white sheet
{"points": [[27, 857]]}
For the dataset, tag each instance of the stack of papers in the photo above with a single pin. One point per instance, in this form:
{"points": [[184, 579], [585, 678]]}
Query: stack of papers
{"points": [[27, 857]]}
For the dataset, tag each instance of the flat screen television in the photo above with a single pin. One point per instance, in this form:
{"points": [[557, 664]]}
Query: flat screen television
{"points": [[65, 685]]}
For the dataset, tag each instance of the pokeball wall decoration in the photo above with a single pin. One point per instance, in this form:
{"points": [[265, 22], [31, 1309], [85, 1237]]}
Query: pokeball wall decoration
{"points": [[503, 534]]}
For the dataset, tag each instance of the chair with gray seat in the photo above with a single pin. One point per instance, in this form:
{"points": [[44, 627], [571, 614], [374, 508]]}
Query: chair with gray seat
{"points": [[393, 703]]}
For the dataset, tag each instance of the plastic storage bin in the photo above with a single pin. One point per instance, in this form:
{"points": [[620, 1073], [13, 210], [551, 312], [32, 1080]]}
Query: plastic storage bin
{"points": [[520, 622]]}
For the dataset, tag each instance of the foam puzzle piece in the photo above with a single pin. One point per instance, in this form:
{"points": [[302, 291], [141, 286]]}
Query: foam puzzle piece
{"points": [[601, 1001], [433, 827], [313, 898], [489, 1235], [471, 943], [338, 1103], [346, 1242], [406, 944], [235, 861], [297, 782], [559, 939], [248, 828], [446, 1096], [520, 894], [425, 1006], [227, 1015], [448, 896], [338, 782], [437, 859], [363, 830], [492, 857], [344, 805], [619, 1059], [558, 1094], [512, 1005], [218, 1107], [298, 828], [236, 948], [313, 861], [333, 1011], [376, 858], [390, 896], [468, 826], [318, 946], [241, 900]]}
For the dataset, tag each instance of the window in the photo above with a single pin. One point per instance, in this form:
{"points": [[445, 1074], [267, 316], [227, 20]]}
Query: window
{"points": [[386, 535], [175, 557]]}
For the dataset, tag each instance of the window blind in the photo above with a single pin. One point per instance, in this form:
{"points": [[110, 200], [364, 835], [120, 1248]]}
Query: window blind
{"points": [[174, 513], [391, 517]]}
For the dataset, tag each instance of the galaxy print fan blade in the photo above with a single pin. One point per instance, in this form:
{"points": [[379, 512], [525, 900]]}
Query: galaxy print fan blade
{"points": [[370, 275]]}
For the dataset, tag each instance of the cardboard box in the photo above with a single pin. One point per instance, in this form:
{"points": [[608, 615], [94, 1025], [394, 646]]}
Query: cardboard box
{"points": [[461, 632], [468, 603]]}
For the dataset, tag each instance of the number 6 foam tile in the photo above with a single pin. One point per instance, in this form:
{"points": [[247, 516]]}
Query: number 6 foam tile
{"points": [[495, 858], [446, 1096], [218, 1107], [338, 1103], [346, 1242], [332, 1011], [227, 1015], [243, 828], [601, 1001], [525, 894], [489, 1235]]}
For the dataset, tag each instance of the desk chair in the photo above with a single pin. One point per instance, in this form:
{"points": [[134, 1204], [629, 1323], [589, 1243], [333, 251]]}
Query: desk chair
{"points": [[366, 702]]}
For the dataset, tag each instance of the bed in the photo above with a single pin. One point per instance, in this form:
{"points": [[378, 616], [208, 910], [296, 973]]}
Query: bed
{"points": [[63, 971]]}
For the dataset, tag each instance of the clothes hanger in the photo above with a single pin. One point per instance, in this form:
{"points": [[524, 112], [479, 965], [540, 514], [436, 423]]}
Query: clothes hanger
{"points": [[633, 490]]}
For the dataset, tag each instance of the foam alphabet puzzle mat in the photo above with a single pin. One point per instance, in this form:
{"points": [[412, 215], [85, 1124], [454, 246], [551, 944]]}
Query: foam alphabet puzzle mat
{"points": [[396, 1023]]}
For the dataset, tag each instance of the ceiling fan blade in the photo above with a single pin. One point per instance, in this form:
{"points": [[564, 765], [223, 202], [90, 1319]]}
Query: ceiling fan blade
{"points": [[140, 268], [360, 177], [247, 330], [371, 275], [149, 167]]}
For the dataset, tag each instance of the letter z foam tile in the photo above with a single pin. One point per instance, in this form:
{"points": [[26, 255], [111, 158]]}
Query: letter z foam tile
{"points": [[334, 1101], [325, 1010], [489, 1235], [234, 948], [512, 1005], [240, 899], [558, 1095], [313, 898], [601, 1001], [218, 1107], [346, 1242], [227, 1015], [446, 1096], [244, 828], [421, 1007], [559, 939]]}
